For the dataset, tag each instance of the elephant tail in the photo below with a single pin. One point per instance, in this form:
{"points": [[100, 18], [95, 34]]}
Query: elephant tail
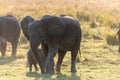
{"points": [[115, 36]]}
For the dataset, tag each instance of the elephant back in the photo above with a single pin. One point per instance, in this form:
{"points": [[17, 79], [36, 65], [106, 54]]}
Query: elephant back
{"points": [[53, 25], [9, 28]]}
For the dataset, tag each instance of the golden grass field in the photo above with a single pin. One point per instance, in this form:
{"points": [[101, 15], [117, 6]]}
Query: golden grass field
{"points": [[99, 60]]}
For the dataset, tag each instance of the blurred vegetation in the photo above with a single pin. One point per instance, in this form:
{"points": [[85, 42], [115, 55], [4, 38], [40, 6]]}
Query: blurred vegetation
{"points": [[111, 39], [96, 13], [107, 14]]}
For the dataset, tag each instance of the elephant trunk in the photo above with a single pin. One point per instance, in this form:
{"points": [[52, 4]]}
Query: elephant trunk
{"points": [[34, 47]]}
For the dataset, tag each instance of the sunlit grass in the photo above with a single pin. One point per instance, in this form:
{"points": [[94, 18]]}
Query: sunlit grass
{"points": [[99, 61], [105, 12]]}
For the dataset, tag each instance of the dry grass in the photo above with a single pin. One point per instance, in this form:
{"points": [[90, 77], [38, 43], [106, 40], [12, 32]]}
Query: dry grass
{"points": [[103, 11], [99, 60]]}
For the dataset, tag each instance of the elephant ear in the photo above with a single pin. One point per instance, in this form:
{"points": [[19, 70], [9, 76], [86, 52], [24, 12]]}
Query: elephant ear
{"points": [[25, 26], [53, 26]]}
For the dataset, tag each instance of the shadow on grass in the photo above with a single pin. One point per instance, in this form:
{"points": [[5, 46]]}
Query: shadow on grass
{"points": [[39, 76], [7, 60], [65, 77], [33, 74]]}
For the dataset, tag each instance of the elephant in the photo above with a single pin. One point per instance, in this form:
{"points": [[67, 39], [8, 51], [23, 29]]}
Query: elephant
{"points": [[10, 31], [55, 34], [3, 45], [25, 25], [32, 60]]}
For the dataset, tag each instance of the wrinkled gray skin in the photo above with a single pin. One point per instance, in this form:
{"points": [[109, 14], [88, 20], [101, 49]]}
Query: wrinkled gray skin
{"points": [[10, 31], [3, 45], [61, 34], [31, 59]]}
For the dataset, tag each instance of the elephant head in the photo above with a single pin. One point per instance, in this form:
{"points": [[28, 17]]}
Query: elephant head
{"points": [[25, 25], [48, 27]]}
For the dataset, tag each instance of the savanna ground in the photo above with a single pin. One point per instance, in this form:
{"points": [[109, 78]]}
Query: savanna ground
{"points": [[99, 19]]}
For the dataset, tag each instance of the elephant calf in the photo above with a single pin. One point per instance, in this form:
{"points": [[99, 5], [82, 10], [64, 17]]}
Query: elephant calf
{"points": [[3, 45], [32, 60]]}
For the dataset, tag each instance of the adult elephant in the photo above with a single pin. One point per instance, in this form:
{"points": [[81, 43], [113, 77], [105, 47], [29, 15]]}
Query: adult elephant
{"points": [[56, 34], [10, 31]]}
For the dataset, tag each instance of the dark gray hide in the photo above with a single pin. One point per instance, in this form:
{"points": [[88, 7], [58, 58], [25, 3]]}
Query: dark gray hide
{"points": [[25, 25], [56, 34], [10, 31], [3, 45]]}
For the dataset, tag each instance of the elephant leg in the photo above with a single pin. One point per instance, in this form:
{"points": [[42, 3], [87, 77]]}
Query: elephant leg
{"points": [[30, 61], [73, 61], [50, 59], [3, 51], [34, 47], [45, 53], [61, 55], [36, 68], [45, 49], [14, 48], [30, 67]]}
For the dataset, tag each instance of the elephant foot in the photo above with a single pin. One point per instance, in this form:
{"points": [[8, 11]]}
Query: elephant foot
{"points": [[58, 71], [50, 69], [50, 72], [13, 55], [73, 71]]}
